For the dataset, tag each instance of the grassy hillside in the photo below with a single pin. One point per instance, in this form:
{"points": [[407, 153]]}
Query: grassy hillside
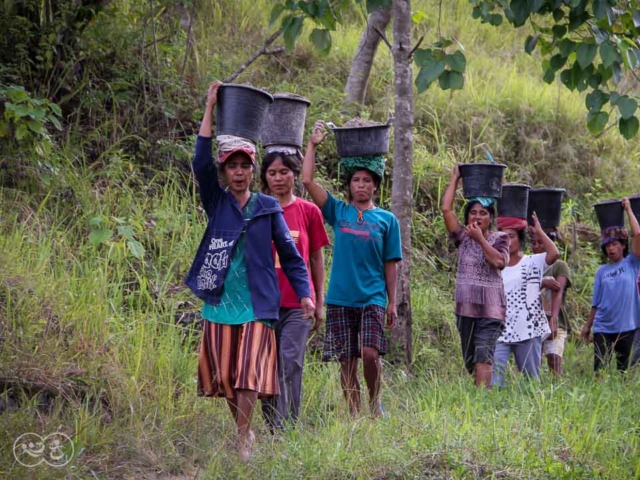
{"points": [[97, 333]]}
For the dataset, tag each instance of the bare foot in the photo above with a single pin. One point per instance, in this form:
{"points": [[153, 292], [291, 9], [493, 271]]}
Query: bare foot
{"points": [[245, 446]]}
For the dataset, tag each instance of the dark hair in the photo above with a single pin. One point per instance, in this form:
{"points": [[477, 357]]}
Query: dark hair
{"points": [[376, 180], [522, 236], [467, 209], [292, 162], [625, 244]]}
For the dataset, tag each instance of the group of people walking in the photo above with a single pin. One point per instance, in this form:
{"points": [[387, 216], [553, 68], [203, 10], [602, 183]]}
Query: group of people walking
{"points": [[511, 302], [259, 271]]}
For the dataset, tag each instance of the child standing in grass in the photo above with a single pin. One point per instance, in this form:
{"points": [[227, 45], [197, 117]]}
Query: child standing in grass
{"points": [[233, 273], [479, 295], [615, 311], [363, 275]]}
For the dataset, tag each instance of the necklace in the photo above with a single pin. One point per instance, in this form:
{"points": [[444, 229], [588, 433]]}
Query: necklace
{"points": [[360, 219]]}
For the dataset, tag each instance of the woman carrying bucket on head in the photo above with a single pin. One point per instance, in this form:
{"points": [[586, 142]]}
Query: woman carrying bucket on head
{"points": [[233, 273], [615, 310], [479, 294], [279, 172], [363, 278], [526, 324]]}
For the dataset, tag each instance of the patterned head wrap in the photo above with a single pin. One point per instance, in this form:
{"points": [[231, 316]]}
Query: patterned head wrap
{"points": [[374, 164], [228, 145], [613, 234]]}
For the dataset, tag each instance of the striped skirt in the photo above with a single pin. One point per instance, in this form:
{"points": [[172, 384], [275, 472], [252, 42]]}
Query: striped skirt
{"points": [[238, 357]]}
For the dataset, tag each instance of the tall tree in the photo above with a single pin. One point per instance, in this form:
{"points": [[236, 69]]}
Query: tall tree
{"points": [[358, 79], [402, 188]]}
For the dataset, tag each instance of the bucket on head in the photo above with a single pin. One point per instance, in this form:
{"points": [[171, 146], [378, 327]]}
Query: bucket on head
{"points": [[285, 120], [514, 200], [482, 179], [362, 141], [547, 203], [610, 214], [634, 201], [241, 111]]}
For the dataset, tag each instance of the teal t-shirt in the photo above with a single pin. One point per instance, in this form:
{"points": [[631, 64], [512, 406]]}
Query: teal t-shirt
{"points": [[235, 306], [360, 251]]}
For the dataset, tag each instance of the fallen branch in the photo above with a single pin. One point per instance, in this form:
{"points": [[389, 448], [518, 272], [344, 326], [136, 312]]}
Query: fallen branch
{"points": [[263, 51]]}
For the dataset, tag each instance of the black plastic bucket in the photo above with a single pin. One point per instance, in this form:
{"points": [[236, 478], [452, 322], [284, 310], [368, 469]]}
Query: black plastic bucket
{"points": [[514, 200], [482, 179], [285, 120], [362, 141], [610, 214], [547, 203], [635, 205], [241, 111]]}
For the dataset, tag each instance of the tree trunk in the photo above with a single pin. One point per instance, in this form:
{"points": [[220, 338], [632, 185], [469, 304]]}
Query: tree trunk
{"points": [[356, 87], [402, 189]]}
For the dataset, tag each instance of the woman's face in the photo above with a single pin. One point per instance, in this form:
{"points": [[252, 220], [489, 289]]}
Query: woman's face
{"points": [[280, 178], [514, 244], [537, 246], [615, 251], [480, 216], [238, 173], [362, 186]]}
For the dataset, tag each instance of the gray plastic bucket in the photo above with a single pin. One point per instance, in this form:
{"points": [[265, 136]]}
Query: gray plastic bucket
{"points": [[482, 179], [514, 200], [610, 214], [547, 203], [362, 141], [241, 111], [285, 120], [635, 205]]}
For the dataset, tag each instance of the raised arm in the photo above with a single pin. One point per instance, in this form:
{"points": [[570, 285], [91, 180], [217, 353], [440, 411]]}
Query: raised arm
{"points": [[450, 219], [549, 247], [635, 227], [318, 193], [203, 167]]}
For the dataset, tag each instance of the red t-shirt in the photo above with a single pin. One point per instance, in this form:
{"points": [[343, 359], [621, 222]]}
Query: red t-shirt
{"points": [[307, 229]]}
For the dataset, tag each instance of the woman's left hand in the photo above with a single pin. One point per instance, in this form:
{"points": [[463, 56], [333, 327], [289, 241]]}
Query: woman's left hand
{"points": [[308, 308]]}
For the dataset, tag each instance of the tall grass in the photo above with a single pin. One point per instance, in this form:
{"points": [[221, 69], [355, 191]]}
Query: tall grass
{"points": [[102, 324]]}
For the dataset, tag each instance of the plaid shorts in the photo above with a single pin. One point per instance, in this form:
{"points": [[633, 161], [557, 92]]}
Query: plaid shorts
{"points": [[348, 329]]}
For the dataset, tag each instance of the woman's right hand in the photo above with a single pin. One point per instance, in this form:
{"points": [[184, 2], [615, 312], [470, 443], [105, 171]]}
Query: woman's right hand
{"points": [[318, 134], [212, 93]]}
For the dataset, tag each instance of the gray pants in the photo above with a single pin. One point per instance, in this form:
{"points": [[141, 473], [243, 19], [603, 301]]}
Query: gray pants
{"points": [[292, 332], [528, 355]]}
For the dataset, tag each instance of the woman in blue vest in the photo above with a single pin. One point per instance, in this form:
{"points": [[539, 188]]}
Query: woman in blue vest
{"points": [[233, 273]]}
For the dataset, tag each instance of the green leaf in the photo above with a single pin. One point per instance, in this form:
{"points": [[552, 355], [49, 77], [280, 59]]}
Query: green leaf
{"points": [[614, 97], [423, 56], [56, 122], [595, 80], [321, 39], [566, 47], [419, 17], [456, 61], [559, 31], [97, 237], [36, 127], [276, 11], [627, 106], [136, 249], [428, 74], [520, 10], [577, 19], [608, 53], [586, 54], [495, 19], [549, 75], [557, 62], [600, 9], [566, 77], [22, 132], [636, 18], [596, 121], [451, 80], [596, 100], [628, 127], [558, 14], [530, 43], [55, 109], [95, 221], [126, 231], [4, 129], [292, 32]]}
